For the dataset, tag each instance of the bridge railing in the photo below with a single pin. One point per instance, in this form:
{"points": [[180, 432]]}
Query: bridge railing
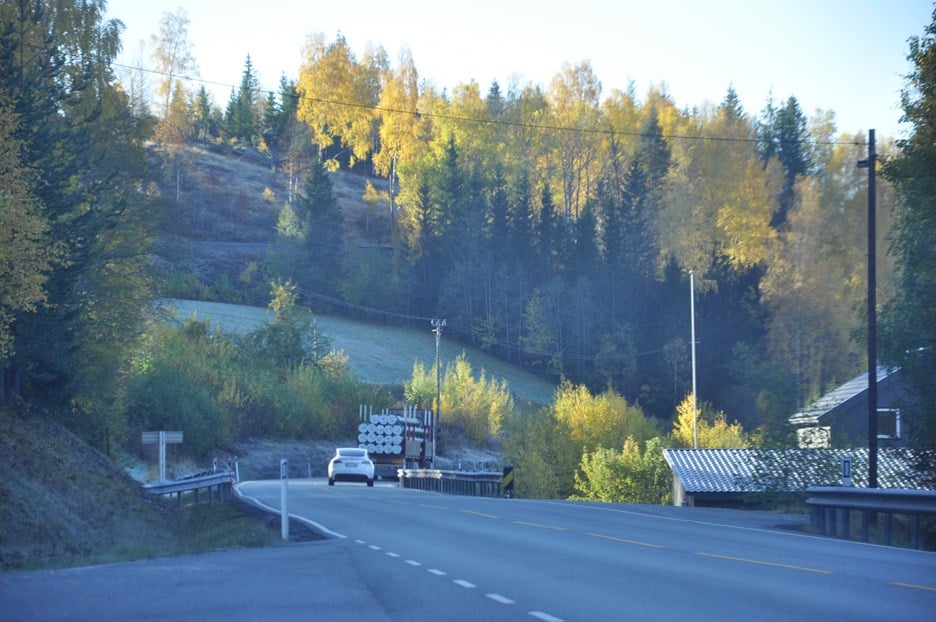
{"points": [[831, 509], [469, 483]]}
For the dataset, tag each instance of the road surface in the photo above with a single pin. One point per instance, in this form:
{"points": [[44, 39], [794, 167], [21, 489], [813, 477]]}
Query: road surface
{"points": [[404, 555]]}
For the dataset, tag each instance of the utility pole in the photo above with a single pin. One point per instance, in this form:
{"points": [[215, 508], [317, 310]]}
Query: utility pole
{"points": [[437, 326], [695, 412], [870, 164]]}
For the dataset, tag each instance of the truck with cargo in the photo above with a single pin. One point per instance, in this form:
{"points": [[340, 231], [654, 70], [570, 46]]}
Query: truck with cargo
{"points": [[397, 438]]}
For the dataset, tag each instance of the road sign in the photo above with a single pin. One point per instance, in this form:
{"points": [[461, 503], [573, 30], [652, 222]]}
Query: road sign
{"points": [[163, 438]]}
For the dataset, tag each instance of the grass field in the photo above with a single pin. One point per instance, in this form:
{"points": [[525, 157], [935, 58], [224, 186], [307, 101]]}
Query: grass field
{"points": [[377, 354]]}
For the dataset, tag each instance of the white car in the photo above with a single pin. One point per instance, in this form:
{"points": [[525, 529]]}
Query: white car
{"points": [[351, 464]]}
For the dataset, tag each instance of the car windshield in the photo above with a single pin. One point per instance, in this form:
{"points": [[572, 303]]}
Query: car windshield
{"points": [[351, 453]]}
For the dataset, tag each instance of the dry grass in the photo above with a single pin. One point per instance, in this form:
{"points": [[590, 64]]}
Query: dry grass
{"points": [[62, 503]]}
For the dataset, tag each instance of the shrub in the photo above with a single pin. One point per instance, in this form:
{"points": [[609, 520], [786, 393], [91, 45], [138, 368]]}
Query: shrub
{"points": [[626, 476]]}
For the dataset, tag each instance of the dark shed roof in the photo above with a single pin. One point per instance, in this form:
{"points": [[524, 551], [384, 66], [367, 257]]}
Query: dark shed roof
{"points": [[839, 396]]}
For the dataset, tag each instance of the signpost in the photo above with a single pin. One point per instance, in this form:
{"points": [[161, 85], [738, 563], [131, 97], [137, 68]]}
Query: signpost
{"points": [[846, 471], [162, 437]]}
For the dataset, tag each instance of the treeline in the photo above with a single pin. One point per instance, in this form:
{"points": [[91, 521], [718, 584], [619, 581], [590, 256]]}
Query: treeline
{"points": [[554, 226], [557, 227]]}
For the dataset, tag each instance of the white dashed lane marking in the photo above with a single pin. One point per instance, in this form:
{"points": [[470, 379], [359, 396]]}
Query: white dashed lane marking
{"points": [[498, 598]]}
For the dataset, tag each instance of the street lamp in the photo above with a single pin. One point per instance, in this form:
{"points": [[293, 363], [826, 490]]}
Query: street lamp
{"points": [[870, 164], [695, 412]]}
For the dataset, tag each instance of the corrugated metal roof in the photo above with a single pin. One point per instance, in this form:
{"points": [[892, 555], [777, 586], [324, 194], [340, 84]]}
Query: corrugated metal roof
{"points": [[757, 470], [838, 396]]}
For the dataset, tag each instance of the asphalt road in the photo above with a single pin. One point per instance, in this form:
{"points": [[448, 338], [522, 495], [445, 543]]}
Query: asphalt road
{"points": [[397, 554]]}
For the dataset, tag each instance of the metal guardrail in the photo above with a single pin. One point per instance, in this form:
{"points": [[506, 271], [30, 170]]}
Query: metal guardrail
{"points": [[832, 507], [223, 481], [469, 483]]}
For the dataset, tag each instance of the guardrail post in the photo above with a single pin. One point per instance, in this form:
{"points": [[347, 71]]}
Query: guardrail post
{"points": [[888, 525], [866, 526], [915, 531]]}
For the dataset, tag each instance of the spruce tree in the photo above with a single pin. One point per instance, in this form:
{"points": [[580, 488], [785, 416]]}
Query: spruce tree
{"points": [[322, 232], [909, 320]]}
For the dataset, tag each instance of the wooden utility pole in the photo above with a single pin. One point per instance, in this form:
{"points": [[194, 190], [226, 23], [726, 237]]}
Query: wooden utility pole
{"points": [[437, 326]]}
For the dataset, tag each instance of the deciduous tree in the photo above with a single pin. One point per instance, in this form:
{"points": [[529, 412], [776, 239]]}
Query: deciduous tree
{"points": [[172, 56], [25, 257]]}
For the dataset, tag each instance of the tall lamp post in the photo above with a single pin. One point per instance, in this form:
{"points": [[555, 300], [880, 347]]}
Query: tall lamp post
{"points": [[695, 412], [872, 316]]}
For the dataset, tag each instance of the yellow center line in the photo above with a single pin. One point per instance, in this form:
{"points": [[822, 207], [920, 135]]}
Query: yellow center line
{"points": [[916, 587], [616, 539], [520, 522], [433, 507], [764, 563], [479, 514]]}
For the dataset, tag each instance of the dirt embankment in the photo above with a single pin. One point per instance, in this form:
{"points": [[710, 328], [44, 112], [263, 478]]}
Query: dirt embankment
{"points": [[62, 501]]}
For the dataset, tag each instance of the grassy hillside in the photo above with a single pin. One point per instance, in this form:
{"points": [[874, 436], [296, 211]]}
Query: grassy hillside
{"points": [[378, 354], [63, 503], [226, 217]]}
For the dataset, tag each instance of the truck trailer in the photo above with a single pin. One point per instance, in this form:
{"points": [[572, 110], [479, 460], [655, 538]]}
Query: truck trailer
{"points": [[397, 438]]}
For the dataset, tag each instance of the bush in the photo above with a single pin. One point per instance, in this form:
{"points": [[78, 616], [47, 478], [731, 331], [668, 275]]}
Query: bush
{"points": [[628, 476], [217, 389], [474, 408]]}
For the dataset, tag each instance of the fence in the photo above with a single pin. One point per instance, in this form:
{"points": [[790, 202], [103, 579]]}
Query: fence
{"points": [[469, 483], [832, 507]]}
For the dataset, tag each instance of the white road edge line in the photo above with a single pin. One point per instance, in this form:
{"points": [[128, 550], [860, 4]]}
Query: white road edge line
{"points": [[545, 617], [310, 523], [438, 573], [500, 599], [463, 583], [389, 554], [413, 562], [375, 547]]}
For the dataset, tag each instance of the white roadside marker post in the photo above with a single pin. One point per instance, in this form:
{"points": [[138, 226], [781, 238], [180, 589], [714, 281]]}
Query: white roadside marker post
{"points": [[284, 514]]}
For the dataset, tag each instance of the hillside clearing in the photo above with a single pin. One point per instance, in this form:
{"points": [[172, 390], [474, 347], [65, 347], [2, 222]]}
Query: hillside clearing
{"points": [[377, 354]]}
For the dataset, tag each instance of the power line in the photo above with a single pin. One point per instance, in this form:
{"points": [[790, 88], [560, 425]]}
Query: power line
{"points": [[458, 326], [499, 122]]}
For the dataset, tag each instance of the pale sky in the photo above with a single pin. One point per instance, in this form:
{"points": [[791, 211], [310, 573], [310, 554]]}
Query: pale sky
{"points": [[848, 56]]}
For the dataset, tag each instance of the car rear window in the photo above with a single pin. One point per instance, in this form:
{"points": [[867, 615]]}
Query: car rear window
{"points": [[351, 453]]}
